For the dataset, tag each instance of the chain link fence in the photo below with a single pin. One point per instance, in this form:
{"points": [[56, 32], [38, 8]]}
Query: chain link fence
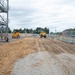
{"points": [[66, 36]]}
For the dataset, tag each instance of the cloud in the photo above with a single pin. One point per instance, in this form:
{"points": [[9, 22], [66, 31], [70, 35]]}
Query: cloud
{"points": [[59, 14]]}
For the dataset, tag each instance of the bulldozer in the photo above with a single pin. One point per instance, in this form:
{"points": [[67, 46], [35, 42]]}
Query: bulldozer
{"points": [[16, 35], [42, 34]]}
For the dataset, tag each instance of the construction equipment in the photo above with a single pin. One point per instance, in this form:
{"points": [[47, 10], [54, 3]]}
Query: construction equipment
{"points": [[16, 35], [42, 34]]}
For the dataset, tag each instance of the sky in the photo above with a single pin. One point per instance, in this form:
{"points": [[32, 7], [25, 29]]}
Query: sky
{"points": [[54, 14]]}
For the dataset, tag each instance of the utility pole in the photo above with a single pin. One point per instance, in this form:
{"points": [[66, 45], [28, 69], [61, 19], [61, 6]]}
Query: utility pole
{"points": [[55, 31]]}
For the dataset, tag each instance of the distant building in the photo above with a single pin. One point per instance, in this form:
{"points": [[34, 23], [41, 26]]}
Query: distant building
{"points": [[69, 33]]}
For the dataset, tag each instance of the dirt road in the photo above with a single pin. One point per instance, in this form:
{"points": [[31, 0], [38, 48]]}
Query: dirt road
{"points": [[37, 56]]}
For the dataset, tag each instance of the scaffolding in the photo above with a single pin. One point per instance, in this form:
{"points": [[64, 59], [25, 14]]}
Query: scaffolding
{"points": [[4, 7]]}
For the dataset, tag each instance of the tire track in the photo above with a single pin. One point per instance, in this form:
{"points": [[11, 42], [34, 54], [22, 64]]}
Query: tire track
{"points": [[65, 66], [58, 47], [41, 48], [51, 47], [67, 47]]}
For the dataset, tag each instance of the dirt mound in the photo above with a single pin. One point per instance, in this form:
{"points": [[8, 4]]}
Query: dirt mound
{"points": [[10, 52]]}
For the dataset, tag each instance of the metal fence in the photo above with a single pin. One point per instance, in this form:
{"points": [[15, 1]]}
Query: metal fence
{"points": [[65, 37]]}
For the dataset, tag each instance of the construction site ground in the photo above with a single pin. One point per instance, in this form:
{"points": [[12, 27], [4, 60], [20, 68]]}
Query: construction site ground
{"points": [[37, 56]]}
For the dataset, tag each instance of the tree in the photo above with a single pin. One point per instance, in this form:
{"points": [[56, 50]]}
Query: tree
{"points": [[39, 29], [9, 31]]}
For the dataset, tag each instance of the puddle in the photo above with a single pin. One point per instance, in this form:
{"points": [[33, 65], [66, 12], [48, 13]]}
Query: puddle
{"points": [[41, 63]]}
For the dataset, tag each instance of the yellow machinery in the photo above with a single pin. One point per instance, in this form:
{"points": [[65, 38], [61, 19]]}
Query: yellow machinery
{"points": [[16, 35], [42, 34]]}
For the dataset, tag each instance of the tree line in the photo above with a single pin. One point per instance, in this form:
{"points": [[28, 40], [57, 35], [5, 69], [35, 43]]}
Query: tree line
{"points": [[33, 31]]}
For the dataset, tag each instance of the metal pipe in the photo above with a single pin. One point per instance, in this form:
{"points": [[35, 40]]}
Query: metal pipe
{"points": [[7, 16]]}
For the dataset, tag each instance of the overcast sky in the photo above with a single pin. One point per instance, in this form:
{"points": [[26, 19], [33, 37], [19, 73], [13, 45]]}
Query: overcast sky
{"points": [[54, 14]]}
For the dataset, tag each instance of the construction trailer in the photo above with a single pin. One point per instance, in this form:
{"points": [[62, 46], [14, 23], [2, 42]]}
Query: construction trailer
{"points": [[4, 7]]}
